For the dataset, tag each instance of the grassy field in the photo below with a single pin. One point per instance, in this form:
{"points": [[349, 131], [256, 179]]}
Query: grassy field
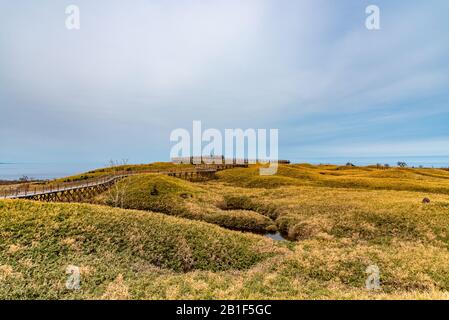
{"points": [[158, 237]]}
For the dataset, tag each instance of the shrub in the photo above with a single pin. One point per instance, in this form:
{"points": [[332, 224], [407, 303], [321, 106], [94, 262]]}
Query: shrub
{"points": [[234, 202], [241, 220], [154, 192]]}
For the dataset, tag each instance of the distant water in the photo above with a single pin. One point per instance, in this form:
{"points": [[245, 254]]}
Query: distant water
{"points": [[412, 161], [13, 171]]}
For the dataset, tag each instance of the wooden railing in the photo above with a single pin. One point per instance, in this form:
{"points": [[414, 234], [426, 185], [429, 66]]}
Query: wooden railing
{"points": [[24, 191], [31, 190]]}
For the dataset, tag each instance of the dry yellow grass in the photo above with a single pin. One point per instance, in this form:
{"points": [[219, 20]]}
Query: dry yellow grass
{"points": [[340, 220]]}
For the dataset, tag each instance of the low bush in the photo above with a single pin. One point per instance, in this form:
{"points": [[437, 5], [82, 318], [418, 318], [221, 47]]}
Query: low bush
{"points": [[241, 220], [236, 202]]}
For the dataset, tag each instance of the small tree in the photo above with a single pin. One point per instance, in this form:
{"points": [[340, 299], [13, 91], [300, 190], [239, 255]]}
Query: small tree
{"points": [[402, 164], [154, 191], [349, 164]]}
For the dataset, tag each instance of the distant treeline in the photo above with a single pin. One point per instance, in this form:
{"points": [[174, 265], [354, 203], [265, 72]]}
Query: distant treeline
{"points": [[23, 179]]}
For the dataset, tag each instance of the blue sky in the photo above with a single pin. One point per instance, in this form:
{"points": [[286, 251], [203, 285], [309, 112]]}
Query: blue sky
{"points": [[136, 70]]}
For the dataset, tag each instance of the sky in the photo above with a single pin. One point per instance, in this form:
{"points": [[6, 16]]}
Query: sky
{"points": [[137, 70]]}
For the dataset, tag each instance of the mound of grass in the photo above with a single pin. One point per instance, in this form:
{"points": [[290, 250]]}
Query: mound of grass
{"points": [[177, 197], [242, 202], [393, 174], [250, 178], [160, 166], [39, 241], [423, 180], [153, 192], [243, 220]]}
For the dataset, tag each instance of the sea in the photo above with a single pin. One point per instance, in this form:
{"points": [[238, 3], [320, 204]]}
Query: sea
{"points": [[14, 171], [44, 171]]}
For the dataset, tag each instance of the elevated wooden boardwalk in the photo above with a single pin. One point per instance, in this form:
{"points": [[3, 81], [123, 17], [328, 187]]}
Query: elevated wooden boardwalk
{"points": [[82, 190]]}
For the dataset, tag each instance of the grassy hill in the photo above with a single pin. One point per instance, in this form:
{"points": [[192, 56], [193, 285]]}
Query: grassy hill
{"points": [[126, 254], [407, 179], [339, 221], [160, 166], [177, 197], [40, 240]]}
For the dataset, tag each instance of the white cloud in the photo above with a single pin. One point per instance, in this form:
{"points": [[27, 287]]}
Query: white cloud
{"points": [[420, 147], [152, 66]]}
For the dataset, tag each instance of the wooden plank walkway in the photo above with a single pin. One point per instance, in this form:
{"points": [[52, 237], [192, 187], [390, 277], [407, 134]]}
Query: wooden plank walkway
{"points": [[81, 190]]}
